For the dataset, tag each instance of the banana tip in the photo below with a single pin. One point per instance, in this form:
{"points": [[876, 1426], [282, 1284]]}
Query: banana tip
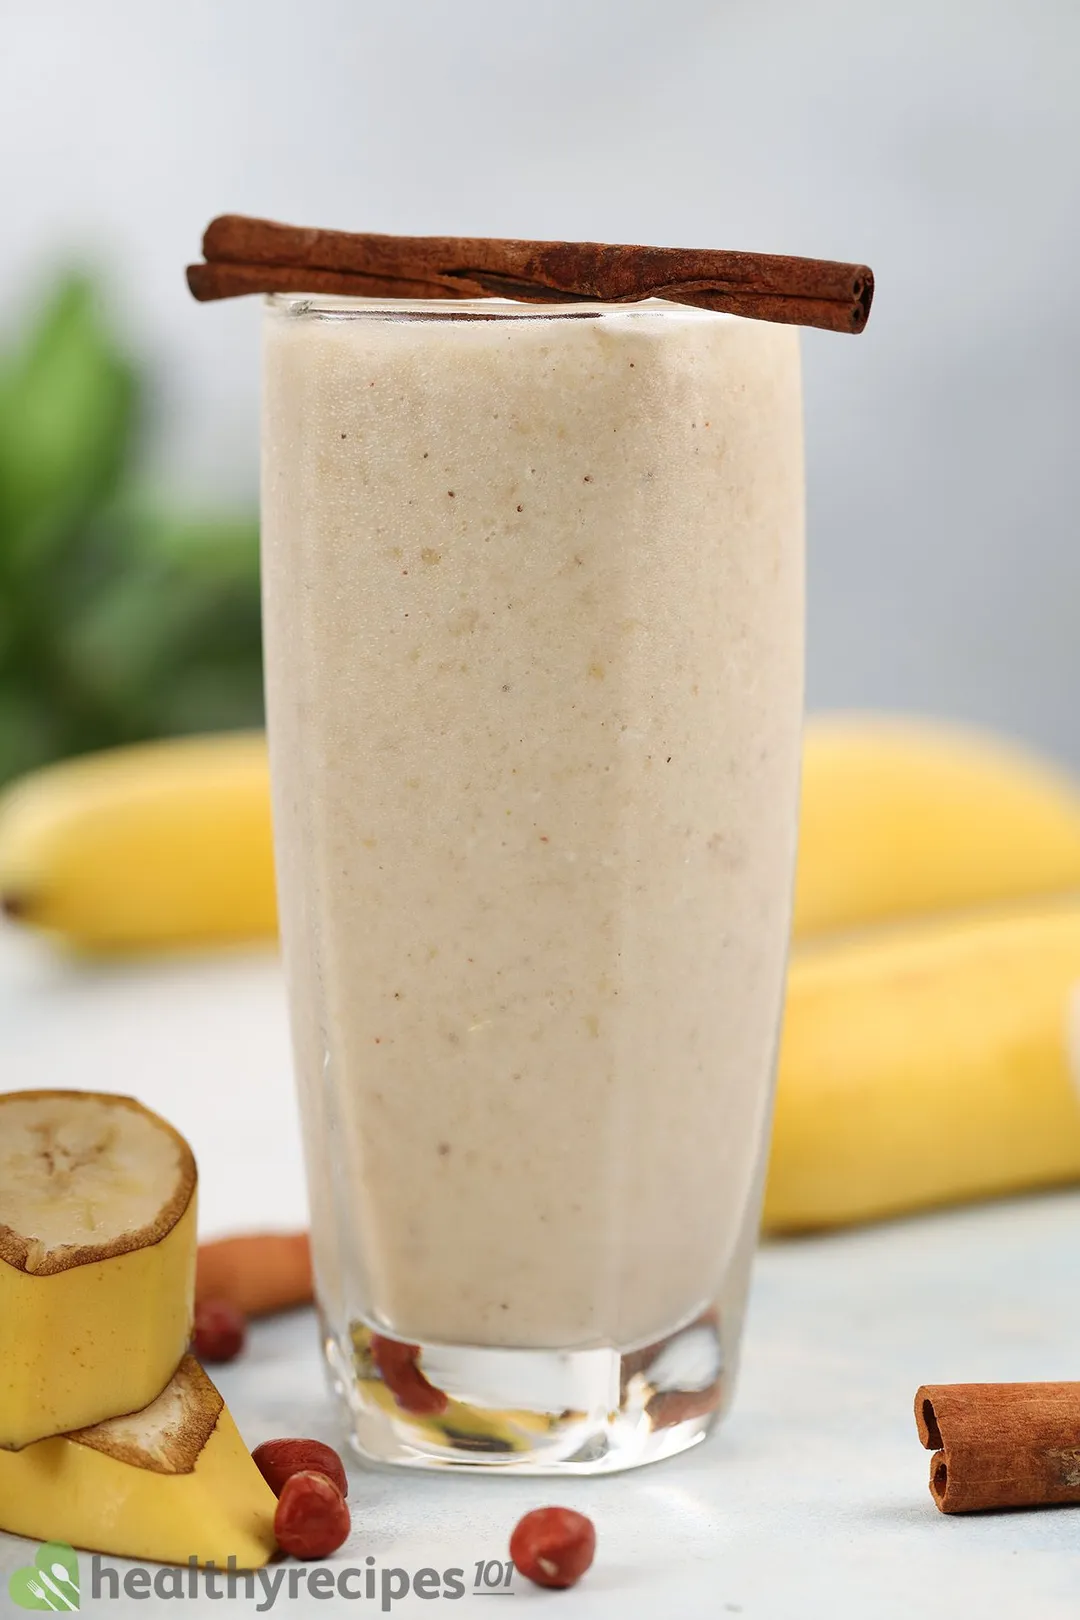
{"points": [[13, 905]]}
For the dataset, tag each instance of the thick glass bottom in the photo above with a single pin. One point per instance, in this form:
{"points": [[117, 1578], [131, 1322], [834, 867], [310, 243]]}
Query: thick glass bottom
{"points": [[529, 1411]]}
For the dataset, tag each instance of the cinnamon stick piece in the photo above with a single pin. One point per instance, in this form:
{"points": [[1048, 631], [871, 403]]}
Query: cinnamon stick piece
{"points": [[259, 1272], [256, 255], [1000, 1445]]}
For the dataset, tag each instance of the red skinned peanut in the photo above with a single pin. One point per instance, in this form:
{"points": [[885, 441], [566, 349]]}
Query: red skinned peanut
{"points": [[553, 1546], [219, 1331], [312, 1518], [279, 1460], [399, 1365]]}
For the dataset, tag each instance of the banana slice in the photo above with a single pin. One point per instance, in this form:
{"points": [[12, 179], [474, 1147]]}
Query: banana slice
{"points": [[97, 1259], [170, 1483]]}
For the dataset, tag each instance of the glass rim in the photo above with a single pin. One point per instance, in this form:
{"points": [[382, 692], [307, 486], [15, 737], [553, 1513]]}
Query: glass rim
{"points": [[342, 306]]}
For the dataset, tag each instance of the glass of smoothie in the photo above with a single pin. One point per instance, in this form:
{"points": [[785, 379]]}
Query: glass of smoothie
{"points": [[533, 598]]}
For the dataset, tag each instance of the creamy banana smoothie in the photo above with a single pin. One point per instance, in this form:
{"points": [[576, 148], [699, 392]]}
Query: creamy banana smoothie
{"points": [[533, 611]]}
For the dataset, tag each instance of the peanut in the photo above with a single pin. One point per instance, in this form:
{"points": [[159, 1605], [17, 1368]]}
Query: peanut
{"points": [[399, 1365], [553, 1546], [279, 1460], [312, 1518], [219, 1331]]}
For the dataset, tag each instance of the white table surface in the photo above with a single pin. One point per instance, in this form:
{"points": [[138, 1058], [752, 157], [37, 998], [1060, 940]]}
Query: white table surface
{"points": [[813, 1499]]}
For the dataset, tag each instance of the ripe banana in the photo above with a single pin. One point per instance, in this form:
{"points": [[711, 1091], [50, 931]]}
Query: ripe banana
{"points": [[97, 1259], [172, 1482], [163, 844], [169, 843], [927, 1064], [906, 817]]}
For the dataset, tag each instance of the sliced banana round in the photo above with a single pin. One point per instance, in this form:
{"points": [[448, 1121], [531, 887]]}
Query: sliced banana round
{"points": [[97, 1259]]}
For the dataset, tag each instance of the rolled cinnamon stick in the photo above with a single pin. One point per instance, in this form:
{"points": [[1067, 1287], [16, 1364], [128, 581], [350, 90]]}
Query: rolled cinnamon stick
{"points": [[259, 1272], [1001, 1445], [255, 255]]}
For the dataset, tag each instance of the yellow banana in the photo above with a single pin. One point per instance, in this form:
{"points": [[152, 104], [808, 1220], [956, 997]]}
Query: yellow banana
{"points": [[111, 1435], [171, 1482], [926, 1064], [169, 843], [905, 817], [165, 843], [97, 1259], [921, 1063]]}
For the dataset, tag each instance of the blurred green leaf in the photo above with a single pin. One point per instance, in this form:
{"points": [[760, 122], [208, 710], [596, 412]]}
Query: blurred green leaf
{"points": [[67, 404], [166, 613], [119, 620], [30, 733], [209, 696], [217, 550]]}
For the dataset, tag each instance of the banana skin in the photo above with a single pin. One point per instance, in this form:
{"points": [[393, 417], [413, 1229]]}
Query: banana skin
{"points": [[129, 1494], [169, 844], [161, 845], [904, 818], [923, 1058], [926, 1065], [95, 1299]]}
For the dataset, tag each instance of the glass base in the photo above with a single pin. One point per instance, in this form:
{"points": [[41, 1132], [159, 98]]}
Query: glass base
{"points": [[529, 1411]]}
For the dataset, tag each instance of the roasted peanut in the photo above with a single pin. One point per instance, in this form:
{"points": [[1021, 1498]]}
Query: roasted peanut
{"points": [[279, 1460], [553, 1546], [219, 1331], [399, 1365], [312, 1518]]}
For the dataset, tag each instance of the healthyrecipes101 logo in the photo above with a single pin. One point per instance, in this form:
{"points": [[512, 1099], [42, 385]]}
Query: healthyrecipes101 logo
{"points": [[52, 1581]]}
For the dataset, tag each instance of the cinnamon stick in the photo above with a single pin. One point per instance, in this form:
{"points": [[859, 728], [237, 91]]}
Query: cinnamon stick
{"points": [[1001, 1445], [256, 255], [259, 1272]]}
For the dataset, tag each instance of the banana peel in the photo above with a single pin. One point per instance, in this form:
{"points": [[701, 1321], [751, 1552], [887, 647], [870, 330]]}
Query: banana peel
{"points": [[169, 844], [926, 1065], [167, 1484], [902, 818], [97, 1259], [154, 846], [930, 965]]}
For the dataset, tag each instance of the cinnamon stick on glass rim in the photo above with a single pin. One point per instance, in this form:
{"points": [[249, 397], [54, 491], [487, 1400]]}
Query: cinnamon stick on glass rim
{"points": [[260, 256], [1001, 1445]]}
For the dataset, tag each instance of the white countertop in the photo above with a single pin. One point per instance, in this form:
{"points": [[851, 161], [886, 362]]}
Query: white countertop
{"points": [[812, 1501]]}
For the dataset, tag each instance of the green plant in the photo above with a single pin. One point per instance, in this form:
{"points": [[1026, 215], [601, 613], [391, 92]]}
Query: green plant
{"points": [[119, 620]]}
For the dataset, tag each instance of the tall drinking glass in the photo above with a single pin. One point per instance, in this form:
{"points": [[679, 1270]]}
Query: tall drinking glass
{"points": [[533, 597]]}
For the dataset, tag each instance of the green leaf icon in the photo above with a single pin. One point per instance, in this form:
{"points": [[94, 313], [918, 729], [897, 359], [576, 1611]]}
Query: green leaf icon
{"points": [[51, 1582]]}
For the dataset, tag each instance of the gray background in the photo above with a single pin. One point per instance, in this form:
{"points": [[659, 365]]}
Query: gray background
{"points": [[937, 139]]}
